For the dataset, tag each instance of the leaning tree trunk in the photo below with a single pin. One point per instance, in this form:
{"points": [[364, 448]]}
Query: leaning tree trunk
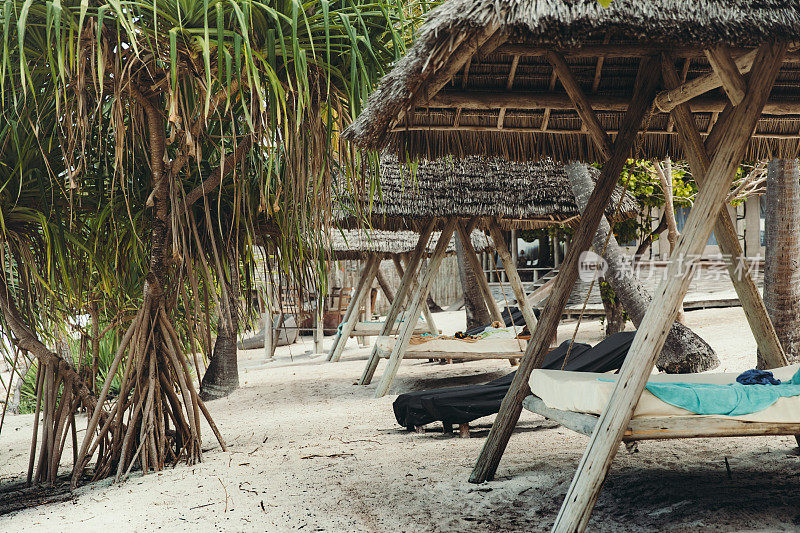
{"points": [[477, 313], [665, 176], [782, 261], [683, 351], [222, 376]]}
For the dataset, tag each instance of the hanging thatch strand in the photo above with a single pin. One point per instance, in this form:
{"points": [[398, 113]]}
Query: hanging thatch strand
{"points": [[478, 79], [520, 195], [358, 243]]}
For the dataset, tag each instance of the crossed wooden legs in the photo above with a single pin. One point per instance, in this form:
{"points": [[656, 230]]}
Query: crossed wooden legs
{"points": [[649, 340]]}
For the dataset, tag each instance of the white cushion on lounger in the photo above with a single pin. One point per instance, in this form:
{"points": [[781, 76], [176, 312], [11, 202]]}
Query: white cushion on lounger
{"points": [[583, 392], [489, 345]]}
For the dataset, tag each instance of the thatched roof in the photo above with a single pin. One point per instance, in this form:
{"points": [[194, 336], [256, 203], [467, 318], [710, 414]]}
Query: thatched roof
{"points": [[499, 95], [357, 243], [521, 195]]}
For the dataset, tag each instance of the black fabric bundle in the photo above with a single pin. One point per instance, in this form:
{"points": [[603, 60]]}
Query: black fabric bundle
{"points": [[460, 405]]}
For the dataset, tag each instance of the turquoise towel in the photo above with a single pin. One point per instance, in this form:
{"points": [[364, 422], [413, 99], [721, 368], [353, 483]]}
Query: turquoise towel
{"points": [[731, 399]]}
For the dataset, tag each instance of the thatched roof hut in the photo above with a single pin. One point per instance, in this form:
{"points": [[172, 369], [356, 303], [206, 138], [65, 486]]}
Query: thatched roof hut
{"points": [[478, 79], [521, 195], [358, 243]]}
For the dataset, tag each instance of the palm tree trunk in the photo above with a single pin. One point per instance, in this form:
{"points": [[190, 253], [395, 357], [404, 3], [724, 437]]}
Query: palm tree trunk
{"points": [[782, 261], [615, 312], [222, 376], [477, 313], [684, 351]]}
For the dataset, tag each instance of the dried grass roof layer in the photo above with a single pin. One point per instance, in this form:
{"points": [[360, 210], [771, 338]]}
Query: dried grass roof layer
{"points": [[357, 243], [506, 41], [521, 195]]}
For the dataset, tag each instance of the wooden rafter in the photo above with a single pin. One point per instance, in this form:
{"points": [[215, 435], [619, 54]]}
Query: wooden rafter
{"points": [[509, 84], [622, 51], [546, 117], [581, 103]]}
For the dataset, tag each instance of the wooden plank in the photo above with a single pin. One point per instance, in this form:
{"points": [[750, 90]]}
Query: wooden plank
{"points": [[594, 465], [645, 88], [669, 98], [727, 71], [373, 329], [399, 298], [749, 295], [578, 422], [351, 316], [417, 299], [581, 103], [413, 354], [513, 276], [664, 427], [475, 265]]}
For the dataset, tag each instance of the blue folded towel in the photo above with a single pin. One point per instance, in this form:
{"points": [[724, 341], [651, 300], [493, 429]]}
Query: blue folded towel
{"points": [[757, 377], [731, 399]]}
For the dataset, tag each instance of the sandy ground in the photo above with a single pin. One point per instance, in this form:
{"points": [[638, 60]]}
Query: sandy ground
{"points": [[310, 450]]}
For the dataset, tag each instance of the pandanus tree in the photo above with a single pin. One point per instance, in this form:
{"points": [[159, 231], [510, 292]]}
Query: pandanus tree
{"points": [[153, 109]]}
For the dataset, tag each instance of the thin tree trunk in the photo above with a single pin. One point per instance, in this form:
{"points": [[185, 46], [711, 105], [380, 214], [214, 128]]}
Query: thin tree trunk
{"points": [[615, 312], [782, 261], [477, 313], [683, 351], [222, 376], [665, 176]]}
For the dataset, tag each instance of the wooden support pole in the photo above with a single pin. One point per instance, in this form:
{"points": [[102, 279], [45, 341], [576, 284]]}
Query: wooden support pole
{"points": [[581, 103], [475, 264], [353, 310], [417, 299], [644, 90], [749, 296], [385, 287], [426, 311], [513, 275], [603, 444], [319, 319], [399, 300], [269, 330]]}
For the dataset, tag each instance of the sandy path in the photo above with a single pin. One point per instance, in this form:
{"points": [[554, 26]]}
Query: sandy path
{"points": [[309, 450]]}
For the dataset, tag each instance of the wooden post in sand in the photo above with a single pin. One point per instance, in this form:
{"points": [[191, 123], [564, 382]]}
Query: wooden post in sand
{"points": [[399, 300], [352, 313]]}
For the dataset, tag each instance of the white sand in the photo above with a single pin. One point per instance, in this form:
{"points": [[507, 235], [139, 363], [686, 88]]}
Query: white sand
{"points": [[309, 449]]}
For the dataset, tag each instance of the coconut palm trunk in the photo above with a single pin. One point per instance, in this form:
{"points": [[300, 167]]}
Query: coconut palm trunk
{"points": [[782, 261], [684, 351], [477, 313], [222, 376]]}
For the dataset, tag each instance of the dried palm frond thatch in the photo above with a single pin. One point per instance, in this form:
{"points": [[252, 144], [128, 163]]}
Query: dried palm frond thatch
{"points": [[357, 243], [521, 195], [478, 80]]}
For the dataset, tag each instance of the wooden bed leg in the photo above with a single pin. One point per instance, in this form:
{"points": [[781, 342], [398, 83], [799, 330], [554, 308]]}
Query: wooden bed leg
{"points": [[399, 300], [647, 81], [352, 314], [463, 431], [417, 299], [612, 423]]}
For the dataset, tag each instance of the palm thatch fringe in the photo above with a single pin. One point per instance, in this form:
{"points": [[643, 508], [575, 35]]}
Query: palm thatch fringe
{"points": [[358, 243], [602, 46], [521, 195]]}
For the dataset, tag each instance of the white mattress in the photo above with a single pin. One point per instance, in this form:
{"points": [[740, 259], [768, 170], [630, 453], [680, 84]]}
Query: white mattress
{"points": [[583, 392], [489, 345]]}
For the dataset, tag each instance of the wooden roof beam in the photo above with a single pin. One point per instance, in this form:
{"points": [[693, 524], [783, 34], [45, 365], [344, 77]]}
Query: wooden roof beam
{"points": [[727, 71], [489, 100], [667, 100], [624, 51], [581, 103]]}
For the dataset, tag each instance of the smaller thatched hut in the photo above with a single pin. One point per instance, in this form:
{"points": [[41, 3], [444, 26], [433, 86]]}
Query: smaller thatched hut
{"points": [[360, 243], [520, 195]]}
